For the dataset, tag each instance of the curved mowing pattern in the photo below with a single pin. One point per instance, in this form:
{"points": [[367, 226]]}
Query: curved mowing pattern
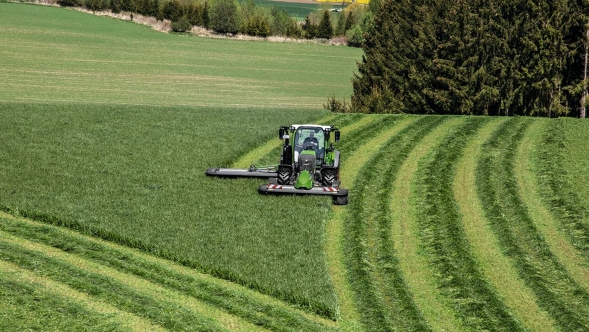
{"points": [[563, 201], [379, 288], [550, 228], [444, 238], [556, 291], [484, 245], [134, 282]]}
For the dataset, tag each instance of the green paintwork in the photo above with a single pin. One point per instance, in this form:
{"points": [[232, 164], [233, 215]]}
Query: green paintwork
{"points": [[305, 180]]}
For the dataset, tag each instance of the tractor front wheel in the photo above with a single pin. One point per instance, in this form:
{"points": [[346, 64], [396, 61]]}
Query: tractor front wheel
{"points": [[328, 176], [283, 175]]}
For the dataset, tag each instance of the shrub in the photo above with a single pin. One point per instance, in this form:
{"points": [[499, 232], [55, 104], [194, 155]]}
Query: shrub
{"points": [[182, 25], [355, 36], [224, 16]]}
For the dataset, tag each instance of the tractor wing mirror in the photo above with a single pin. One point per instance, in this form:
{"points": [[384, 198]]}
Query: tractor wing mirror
{"points": [[280, 133], [337, 136]]}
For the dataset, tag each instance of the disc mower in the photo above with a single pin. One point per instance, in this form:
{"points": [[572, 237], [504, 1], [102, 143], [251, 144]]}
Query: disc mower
{"points": [[309, 165]]}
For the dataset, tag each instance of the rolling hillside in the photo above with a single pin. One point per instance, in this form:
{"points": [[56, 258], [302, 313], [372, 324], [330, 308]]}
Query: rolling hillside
{"points": [[109, 222]]}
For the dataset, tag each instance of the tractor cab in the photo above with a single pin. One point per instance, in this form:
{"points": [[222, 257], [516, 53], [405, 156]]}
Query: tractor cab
{"points": [[309, 140], [308, 158]]}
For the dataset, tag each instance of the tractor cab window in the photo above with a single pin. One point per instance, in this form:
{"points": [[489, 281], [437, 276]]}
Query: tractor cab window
{"points": [[309, 138]]}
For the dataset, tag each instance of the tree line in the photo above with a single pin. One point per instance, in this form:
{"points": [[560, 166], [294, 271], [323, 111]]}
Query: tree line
{"points": [[233, 16], [485, 57]]}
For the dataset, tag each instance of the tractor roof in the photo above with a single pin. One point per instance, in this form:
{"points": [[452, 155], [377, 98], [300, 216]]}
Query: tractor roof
{"points": [[296, 126]]}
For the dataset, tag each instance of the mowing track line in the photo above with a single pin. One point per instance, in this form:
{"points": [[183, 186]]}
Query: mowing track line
{"points": [[349, 319], [380, 290], [571, 258], [485, 247], [86, 301], [142, 286], [417, 272], [556, 292], [237, 300]]}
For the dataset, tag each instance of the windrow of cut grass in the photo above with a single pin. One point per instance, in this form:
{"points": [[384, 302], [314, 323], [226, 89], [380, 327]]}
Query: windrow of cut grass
{"points": [[30, 303], [557, 293], [64, 256], [496, 267], [379, 288], [565, 201], [548, 225], [440, 227]]}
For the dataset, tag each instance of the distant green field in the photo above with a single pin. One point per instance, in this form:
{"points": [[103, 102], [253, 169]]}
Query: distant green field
{"points": [[295, 9], [53, 54], [454, 223]]}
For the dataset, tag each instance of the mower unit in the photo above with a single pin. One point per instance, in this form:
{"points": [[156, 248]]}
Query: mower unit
{"points": [[308, 166]]}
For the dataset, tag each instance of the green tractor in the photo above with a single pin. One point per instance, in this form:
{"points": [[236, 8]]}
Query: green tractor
{"points": [[309, 165]]}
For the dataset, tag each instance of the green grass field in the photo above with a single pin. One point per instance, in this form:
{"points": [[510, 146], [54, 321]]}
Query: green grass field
{"points": [[109, 223], [296, 10], [57, 55]]}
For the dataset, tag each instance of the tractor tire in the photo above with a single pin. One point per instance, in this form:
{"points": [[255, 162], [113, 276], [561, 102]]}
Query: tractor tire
{"points": [[328, 176], [283, 176]]}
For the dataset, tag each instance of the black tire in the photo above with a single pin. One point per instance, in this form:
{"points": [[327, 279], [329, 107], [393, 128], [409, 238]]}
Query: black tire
{"points": [[328, 176], [283, 176]]}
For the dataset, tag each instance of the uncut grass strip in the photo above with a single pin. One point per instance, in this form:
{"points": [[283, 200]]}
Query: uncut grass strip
{"points": [[556, 292], [563, 201], [550, 229], [415, 268], [443, 237], [143, 298], [377, 280], [497, 268], [349, 318], [256, 309], [61, 295]]}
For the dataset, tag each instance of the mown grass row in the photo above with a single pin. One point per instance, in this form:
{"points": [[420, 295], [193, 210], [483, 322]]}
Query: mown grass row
{"points": [[259, 312], [556, 292], [28, 306], [166, 314], [442, 233], [379, 288], [563, 201]]}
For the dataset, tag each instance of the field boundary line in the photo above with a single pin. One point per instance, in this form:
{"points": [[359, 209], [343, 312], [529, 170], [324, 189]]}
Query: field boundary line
{"points": [[254, 155], [417, 272], [348, 317], [546, 223], [136, 283], [126, 319], [498, 269], [183, 270]]}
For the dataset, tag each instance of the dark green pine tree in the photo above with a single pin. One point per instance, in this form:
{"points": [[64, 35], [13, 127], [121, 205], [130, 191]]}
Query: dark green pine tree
{"points": [[325, 29], [395, 67]]}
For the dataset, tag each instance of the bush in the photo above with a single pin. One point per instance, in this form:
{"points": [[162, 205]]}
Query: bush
{"points": [[182, 25], [224, 16], [355, 36], [336, 105]]}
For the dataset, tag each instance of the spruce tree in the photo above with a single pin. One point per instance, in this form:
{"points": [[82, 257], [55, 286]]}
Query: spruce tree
{"points": [[325, 29]]}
